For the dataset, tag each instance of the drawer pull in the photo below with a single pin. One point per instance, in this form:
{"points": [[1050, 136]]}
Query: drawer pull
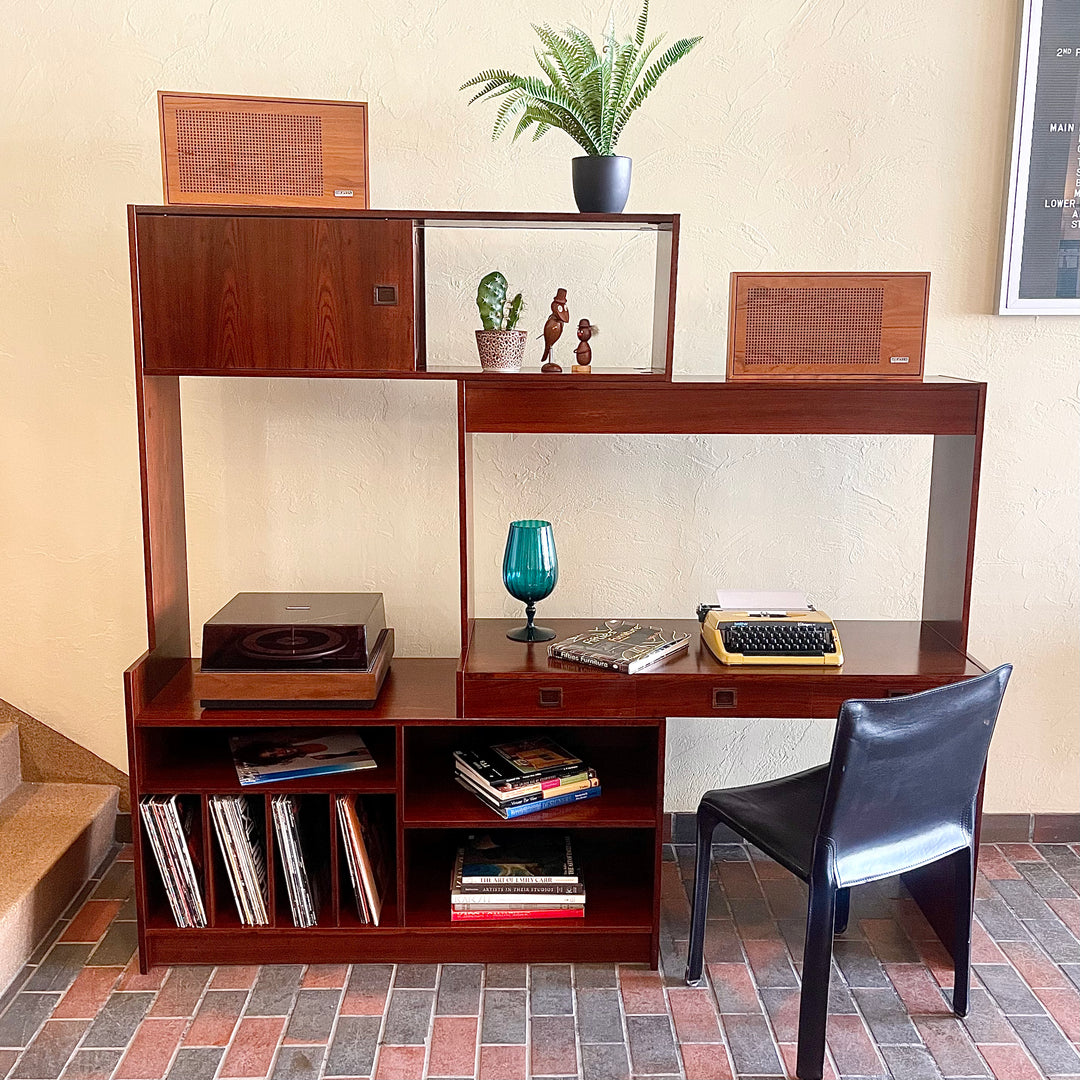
{"points": [[551, 697], [898, 693], [724, 699]]}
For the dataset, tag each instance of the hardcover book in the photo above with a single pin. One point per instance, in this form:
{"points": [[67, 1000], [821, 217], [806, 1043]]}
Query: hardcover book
{"points": [[534, 856], [494, 771], [537, 757], [626, 647], [262, 759]]}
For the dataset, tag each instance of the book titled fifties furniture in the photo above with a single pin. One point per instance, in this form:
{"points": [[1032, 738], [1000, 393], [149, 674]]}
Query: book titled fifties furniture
{"points": [[225, 292]]}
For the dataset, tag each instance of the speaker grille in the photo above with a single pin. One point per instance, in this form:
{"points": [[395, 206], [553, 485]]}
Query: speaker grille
{"points": [[249, 153], [837, 325]]}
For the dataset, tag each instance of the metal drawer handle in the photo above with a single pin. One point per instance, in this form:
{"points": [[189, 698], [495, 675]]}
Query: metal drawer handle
{"points": [[551, 697], [724, 699]]}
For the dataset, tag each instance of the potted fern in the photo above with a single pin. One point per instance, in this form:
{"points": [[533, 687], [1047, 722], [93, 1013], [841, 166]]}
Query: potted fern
{"points": [[588, 94], [500, 344]]}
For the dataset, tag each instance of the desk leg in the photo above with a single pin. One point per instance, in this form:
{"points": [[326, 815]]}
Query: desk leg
{"points": [[934, 887]]}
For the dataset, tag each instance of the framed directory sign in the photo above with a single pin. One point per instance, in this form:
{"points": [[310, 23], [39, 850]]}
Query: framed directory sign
{"points": [[1040, 272]]}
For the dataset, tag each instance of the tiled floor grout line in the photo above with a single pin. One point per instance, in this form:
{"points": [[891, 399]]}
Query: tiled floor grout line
{"points": [[334, 1023], [430, 1040], [477, 1062], [219, 1071]]}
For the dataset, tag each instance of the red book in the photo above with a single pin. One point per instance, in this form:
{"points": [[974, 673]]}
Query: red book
{"points": [[537, 913]]}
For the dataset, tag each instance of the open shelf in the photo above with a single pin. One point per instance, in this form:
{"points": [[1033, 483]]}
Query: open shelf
{"points": [[199, 760], [617, 869], [625, 760]]}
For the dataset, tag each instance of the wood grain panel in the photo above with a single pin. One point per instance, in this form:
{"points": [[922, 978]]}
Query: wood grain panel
{"points": [[266, 294], [717, 408]]}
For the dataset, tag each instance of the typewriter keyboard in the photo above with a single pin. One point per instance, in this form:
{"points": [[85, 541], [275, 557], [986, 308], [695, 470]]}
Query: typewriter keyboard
{"points": [[778, 639]]}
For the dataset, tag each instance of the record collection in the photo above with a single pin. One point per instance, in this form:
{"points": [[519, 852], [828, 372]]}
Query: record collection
{"points": [[302, 887], [171, 826], [365, 856], [240, 838], [531, 875], [519, 778]]}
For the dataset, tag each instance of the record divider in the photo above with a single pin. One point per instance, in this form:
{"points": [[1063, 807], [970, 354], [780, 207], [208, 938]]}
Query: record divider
{"points": [[209, 881], [335, 863]]}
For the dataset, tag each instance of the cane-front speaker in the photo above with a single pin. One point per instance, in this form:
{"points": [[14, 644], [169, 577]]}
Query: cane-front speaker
{"points": [[826, 325], [245, 151]]}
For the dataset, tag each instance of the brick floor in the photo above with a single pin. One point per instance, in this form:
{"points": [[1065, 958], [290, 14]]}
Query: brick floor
{"points": [[83, 1010]]}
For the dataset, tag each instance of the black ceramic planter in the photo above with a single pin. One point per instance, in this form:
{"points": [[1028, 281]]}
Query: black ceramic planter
{"points": [[601, 184]]}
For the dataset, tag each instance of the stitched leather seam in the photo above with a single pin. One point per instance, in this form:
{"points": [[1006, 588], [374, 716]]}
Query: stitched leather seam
{"points": [[902, 870]]}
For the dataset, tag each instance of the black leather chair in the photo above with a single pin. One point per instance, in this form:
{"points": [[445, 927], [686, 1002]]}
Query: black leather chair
{"points": [[898, 792]]}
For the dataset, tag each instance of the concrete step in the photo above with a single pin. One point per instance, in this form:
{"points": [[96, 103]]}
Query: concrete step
{"points": [[10, 773], [52, 838]]}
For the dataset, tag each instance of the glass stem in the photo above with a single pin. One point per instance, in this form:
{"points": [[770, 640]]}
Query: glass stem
{"points": [[530, 614]]}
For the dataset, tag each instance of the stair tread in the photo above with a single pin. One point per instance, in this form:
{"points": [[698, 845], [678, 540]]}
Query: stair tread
{"points": [[38, 823]]}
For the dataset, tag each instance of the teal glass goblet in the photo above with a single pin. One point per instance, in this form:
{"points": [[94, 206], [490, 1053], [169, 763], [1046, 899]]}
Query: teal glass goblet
{"points": [[530, 571]]}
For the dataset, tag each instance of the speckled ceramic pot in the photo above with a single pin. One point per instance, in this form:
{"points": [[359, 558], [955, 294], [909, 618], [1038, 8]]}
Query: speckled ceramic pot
{"points": [[501, 350]]}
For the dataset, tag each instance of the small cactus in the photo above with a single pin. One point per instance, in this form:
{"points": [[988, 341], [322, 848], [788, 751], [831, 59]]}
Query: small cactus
{"points": [[495, 313], [491, 299]]}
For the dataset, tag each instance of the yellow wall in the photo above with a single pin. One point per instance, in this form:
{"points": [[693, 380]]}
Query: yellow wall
{"points": [[809, 136]]}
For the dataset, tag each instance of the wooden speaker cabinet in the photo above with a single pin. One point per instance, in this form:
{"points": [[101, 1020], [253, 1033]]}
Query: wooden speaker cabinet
{"points": [[826, 325], [246, 151]]}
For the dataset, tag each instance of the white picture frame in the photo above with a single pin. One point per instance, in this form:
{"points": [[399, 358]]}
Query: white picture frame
{"points": [[1027, 245]]}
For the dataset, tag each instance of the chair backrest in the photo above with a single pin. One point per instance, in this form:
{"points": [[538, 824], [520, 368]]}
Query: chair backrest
{"points": [[904, 775]]}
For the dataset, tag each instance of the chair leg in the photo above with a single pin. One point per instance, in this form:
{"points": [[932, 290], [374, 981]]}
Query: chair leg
{"points": [[695, 961], [843, 909], [817, 964], [964, 861]]}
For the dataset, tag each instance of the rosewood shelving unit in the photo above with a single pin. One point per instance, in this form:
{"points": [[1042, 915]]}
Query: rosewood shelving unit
{"points": [[226, 292]]}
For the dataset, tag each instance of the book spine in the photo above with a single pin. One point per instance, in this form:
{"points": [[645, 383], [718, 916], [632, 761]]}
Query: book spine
{"points": [[539, 913], [550, 804], [516, 899], [512, 788], [502, 803], [528, 885], [468, 882], [579, 657]]}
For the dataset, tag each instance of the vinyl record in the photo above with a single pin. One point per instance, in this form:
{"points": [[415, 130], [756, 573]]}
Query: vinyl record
{"points": [[293, 643]]}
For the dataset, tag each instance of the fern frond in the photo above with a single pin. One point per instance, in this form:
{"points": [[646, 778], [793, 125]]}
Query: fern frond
{"points": [[670, 56], [568, 56], [491, 75], [638, 65], [643, 18], [514, 101]]}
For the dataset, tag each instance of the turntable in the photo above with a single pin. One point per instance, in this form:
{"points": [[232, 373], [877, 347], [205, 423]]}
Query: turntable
{"points": [[295, 650]]}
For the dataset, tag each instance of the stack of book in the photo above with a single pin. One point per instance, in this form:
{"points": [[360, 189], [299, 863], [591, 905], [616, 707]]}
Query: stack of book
{"points": [[365, 856], [240, 837], [531, 875], [523, 777], [171, 827]]}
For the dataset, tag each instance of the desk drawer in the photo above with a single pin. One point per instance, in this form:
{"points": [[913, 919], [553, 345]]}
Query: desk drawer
{"points": [[827, 700], [722, 694], [551, 694]]}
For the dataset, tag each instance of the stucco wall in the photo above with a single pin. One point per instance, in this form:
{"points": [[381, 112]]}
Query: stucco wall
{"points": [[821, 135]]}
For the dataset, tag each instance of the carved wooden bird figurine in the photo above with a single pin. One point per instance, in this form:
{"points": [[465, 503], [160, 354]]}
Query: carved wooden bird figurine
{"points": [[553, 329]]}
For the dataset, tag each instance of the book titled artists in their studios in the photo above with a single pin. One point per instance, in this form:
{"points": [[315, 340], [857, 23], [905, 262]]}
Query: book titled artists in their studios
{"points": [[627, 647], [530, 875], [524, 777]]}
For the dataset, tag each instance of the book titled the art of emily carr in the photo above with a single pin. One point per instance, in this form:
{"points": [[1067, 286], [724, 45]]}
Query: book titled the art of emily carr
{"points": [[620, 646]]}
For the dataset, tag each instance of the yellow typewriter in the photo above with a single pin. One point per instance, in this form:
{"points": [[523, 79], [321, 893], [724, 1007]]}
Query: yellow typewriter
{"points": [[770, 637]]}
